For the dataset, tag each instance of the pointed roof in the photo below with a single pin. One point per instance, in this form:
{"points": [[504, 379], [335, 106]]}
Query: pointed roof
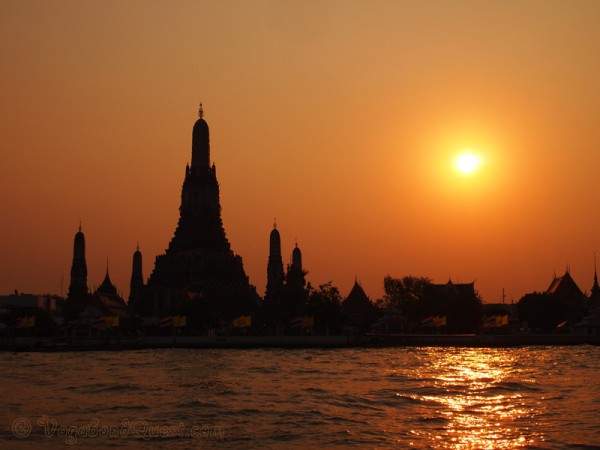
{"points": [[564, 285], [357, 297], [107, 287]]}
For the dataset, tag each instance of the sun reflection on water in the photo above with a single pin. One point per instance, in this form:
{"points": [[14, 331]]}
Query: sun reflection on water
{"points": [[476, 393]]}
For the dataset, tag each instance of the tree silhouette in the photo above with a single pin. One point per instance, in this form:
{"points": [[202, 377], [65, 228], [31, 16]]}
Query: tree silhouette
{"points": [[544, 312], [407, 294], [418, 298], [324, 304]]}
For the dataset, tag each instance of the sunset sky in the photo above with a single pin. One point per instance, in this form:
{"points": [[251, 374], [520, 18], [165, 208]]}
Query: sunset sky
{"points": [[341, 119]]}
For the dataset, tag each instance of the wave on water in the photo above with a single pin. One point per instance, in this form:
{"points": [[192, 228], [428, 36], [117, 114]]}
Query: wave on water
{"points": [[108, 388], [393, 397]]}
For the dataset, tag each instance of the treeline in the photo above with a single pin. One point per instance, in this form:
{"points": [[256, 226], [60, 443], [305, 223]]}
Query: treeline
{"points": [[545, 312], [410, 304], [418, 299]]}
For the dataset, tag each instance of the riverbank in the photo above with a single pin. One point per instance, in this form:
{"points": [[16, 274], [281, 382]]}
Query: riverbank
{"points": [[41, 344]]}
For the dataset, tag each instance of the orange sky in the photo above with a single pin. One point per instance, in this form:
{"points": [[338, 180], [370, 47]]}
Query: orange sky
{"points": [[338, 118]]}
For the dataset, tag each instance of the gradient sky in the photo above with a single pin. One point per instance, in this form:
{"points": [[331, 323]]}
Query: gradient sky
{"points": [[339, 118]]}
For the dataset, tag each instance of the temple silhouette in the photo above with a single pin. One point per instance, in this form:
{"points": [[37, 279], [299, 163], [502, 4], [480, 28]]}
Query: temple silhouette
{"points": [[78, 287], [201, 280], [286, 291], [198, 274], [84, 306]]}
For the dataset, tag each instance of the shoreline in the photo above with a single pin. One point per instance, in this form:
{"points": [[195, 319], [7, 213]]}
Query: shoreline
{"points": [[371, 340]]}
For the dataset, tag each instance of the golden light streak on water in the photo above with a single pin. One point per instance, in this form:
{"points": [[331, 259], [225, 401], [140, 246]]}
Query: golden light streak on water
{"points": [[476, 419]]}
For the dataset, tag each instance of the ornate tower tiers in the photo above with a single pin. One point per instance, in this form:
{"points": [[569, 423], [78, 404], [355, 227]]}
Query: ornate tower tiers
{"points": [[199, 270]]}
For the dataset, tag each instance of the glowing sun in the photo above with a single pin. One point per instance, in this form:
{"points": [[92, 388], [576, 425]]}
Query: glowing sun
{"points": [[467, 162]]}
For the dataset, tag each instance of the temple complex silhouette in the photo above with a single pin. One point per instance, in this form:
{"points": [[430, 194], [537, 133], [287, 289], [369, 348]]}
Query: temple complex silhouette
{"points": [[84, 306], [200, 278]]}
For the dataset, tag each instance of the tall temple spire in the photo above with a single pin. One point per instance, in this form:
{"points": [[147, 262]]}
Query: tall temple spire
{"points": [[275, 264], [200, 144], [273, 308], [200, 226], [296, 276], [137, 278], [297, 257], [199, 262], [78, 288]]}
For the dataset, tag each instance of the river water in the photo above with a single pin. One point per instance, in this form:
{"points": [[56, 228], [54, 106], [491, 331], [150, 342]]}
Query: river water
{"points": [[427, 397]]}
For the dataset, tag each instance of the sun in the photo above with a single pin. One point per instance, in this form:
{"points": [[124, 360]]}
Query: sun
{"points": [[467, 162]]}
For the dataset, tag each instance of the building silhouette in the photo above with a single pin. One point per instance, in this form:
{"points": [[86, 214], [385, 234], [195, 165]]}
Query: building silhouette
{"points": [[107, 286], [296, 276], [78, 295], [459, 302], [137, 278], [565, 287], [295, 284], [107, 300], [272, 316], [595, 291], [83, 307], [78, 287], [286, 293], [275, 276], [591, 321], [565, 291], [199, 274], [358, 310]]}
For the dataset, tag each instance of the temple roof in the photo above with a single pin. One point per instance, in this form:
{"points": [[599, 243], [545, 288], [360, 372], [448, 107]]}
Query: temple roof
{"points": [[450, 288], [564, 285], [107, 287], [357, 297]]}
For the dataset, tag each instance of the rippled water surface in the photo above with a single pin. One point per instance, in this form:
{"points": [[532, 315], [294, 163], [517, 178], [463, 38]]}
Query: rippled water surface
{"points": [[530, 397]]}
